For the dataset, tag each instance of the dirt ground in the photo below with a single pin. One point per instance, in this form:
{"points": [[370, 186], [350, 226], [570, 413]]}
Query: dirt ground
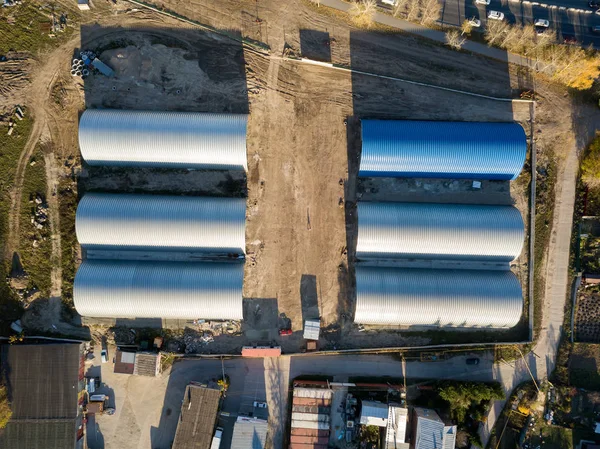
{"points": [[303, 136]]}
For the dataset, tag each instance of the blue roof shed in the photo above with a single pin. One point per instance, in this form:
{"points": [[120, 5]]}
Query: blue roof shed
{"points": [[456, 150]]}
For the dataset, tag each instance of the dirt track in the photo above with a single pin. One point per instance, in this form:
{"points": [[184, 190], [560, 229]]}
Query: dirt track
{"points": [[303, 133]]}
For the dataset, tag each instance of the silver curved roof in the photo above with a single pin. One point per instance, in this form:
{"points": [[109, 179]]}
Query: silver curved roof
{"points": [[457, 298], [163, 139], [124, 289], [439, 231], [159, 222], [427, 149]]}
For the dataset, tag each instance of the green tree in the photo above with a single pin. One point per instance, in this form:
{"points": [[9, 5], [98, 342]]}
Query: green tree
{"points": [[467, 397]]}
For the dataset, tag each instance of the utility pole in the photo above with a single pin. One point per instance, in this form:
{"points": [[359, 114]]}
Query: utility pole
{"points": [[528, 370], [404, 375]]}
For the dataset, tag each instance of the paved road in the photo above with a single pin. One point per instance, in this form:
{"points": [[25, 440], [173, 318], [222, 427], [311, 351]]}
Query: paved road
{"points": [[571, 19], [439, 36]]}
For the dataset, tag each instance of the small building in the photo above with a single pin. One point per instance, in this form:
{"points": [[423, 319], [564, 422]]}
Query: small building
{"points": [[249, 433], [430, 432], [124, 362], [395, 437], [83, 5], [147, 364], [374, 414], [198, 418], [312, 329]]}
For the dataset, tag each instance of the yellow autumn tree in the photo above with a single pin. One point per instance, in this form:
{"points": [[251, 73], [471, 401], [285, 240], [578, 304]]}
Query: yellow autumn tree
{"points": [[5, 411]]}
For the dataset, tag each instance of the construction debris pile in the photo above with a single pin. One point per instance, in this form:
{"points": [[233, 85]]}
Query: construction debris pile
{"points": [[39, 212], [89, 64], [11, 124]]}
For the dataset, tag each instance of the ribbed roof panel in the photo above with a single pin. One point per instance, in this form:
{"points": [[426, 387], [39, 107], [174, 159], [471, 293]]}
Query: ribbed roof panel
{"points": [[122, 289], [470, 150], [159, 222], [163, 139], [411, 297], [439, 231]]}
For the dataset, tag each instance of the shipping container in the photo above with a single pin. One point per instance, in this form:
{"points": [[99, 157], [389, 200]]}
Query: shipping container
{"points": [[310, 424], [311, 409], [308, 439], [307, 446], [309, 432], [320, 393], [312, 402], [261, 351], [310, 417]]}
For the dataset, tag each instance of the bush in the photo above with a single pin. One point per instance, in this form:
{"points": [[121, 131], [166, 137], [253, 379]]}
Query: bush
{"points": [[572, 66], [590, 166], [5, 411], [362, 12], [466, 397]]}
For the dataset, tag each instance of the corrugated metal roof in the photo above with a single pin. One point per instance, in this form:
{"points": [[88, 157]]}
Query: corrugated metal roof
{"points": [[159, 222], [163, 139], [321, 425], [43, 380], [374, 414], [321, 393], [147, 364], [312, 329], [470, 150], [439, 231], [249, 433], [431, 432], [126, 289], [458, 298], [396, 427], [198, 418]]}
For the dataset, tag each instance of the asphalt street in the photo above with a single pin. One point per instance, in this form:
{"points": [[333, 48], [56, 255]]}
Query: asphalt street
{"points": [[268, 379], [570, 19]]}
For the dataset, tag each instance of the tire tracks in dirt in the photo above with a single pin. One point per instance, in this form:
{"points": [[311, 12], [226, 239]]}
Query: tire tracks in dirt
{"points": [[37, 97]]}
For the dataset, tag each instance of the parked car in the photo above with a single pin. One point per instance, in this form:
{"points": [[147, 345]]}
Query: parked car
{"points": [[285, 332], [104, 356], [483, 2], [475, 22], [541, 23], [472, 361], [260, 404], [495, 15]]}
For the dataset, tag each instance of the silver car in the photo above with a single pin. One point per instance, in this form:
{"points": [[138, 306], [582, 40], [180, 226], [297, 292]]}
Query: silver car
{"points": [[495, 15]]}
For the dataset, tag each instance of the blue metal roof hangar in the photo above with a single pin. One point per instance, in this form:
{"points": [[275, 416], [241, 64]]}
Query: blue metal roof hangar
{"points": [[455, 150]]}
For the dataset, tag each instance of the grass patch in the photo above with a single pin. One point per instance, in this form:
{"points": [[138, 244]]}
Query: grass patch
{"points": [[11, 147], [439, 337], [553, 437], [67, 194], [544, 215], [35, 244], [5, 411], [27, 27], [584, 366]]}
